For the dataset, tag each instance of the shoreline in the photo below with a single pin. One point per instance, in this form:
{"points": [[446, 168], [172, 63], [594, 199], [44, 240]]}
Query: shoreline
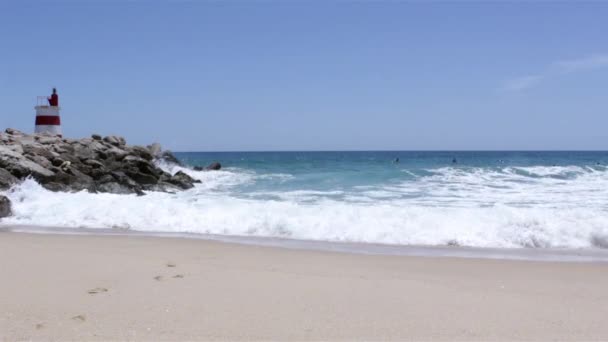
{"points": [[96, 287], [521, 254]]}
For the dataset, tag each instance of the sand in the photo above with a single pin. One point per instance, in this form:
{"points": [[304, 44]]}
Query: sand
{"points": [[141, 288]]}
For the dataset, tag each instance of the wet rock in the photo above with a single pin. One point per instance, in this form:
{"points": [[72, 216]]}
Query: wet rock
{"points": [[115, 188], [214, 166], [5, 207], [96, 136], [182, 180]]}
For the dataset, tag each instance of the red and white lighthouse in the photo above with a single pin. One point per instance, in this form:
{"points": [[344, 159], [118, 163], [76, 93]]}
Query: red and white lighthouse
{"points": [[47, 115]]}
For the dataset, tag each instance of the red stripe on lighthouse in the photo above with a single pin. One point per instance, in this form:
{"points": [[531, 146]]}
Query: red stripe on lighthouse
{"points": [[48, 120]]}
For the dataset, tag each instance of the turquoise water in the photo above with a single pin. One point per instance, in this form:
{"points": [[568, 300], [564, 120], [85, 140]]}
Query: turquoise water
{"points": [[478, 199], [353, 171]]}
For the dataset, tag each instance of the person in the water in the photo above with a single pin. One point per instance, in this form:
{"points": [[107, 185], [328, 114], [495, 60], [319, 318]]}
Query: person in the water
{"points": [[396, 160], [454, 161]]}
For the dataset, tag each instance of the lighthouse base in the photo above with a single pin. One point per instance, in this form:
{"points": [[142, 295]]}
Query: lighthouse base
{"points": [[48, 120], [48, 129]]}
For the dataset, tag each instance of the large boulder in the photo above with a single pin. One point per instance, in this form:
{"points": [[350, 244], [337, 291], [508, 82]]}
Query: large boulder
{"points": [[5, 207], [182, 180]]}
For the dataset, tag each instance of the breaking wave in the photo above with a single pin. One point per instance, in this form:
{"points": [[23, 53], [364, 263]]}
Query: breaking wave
{"points": [[540, 207]]}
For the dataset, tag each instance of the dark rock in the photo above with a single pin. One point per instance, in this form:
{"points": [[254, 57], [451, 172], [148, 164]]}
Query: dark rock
{"points": [[57, 162], [115, 188], [214, 166], [142, 178], [182, 180], [70, 180], [93, 164], [169, 157], [142, 152], [199, 168], [113, 140], [5, 207], [7, 179], [116, 153]]}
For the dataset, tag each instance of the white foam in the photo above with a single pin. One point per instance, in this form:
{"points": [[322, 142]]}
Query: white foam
{"points": [[555, 207]]}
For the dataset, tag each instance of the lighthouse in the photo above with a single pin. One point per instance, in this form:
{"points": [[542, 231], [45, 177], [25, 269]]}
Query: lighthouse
{"points": [[47, 115]]}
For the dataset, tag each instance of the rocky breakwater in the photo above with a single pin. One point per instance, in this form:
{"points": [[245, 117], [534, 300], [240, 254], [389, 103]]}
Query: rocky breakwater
{"points": [[95, 164]]}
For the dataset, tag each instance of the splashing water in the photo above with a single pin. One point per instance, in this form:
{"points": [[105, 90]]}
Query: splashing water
{"points": [[507, 199]]}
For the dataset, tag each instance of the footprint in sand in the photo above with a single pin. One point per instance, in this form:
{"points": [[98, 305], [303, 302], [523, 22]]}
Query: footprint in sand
{"points": [[178, 276], [98, 290], [171, 264], [39, 326], [158, 278], [80, 318]]}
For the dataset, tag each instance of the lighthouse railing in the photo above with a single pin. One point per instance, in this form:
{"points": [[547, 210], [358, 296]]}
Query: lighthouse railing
{"points": [[42, 101]]}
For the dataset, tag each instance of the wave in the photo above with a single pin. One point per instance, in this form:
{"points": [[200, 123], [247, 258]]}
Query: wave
{"points": [[508, 207]]}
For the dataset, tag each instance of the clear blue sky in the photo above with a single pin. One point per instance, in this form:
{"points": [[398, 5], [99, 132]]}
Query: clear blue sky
{"points": [[313, 75]]}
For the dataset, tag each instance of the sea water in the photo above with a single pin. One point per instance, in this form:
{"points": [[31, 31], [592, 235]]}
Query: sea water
{"points": [[476, 199]]}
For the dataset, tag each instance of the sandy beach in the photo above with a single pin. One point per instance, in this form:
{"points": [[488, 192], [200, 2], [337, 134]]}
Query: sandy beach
{"points": [[70, 287]]}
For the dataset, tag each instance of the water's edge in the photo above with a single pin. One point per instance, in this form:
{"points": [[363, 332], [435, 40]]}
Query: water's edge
{"points": [[520, 254]]}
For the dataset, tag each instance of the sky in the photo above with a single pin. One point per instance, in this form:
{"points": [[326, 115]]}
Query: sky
{"points": [[313, 75]]}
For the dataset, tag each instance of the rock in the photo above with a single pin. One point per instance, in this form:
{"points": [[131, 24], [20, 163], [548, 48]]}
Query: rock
{"points": [[115, 188], [142, 178], [39, 151], [5, 207], [83, 152], [70, 180], [112, 139], [182, 180], [13, 131], [19, 166], [40, 160], [142, 152], [170, 158], [116, 153], [7, 179], [93, 164], [214, 166], [199, 168], [49, 140]]}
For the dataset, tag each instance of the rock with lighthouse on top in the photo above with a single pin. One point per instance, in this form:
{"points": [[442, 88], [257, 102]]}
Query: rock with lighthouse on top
{"points": [[93, 164]]}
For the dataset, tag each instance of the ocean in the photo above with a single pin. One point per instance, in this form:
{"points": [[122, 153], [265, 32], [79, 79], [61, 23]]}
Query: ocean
{"points": [[468, 199]]}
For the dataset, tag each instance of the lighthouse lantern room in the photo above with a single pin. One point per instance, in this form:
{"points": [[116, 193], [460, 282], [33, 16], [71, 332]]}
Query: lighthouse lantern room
{"points": [[47, 115]]}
